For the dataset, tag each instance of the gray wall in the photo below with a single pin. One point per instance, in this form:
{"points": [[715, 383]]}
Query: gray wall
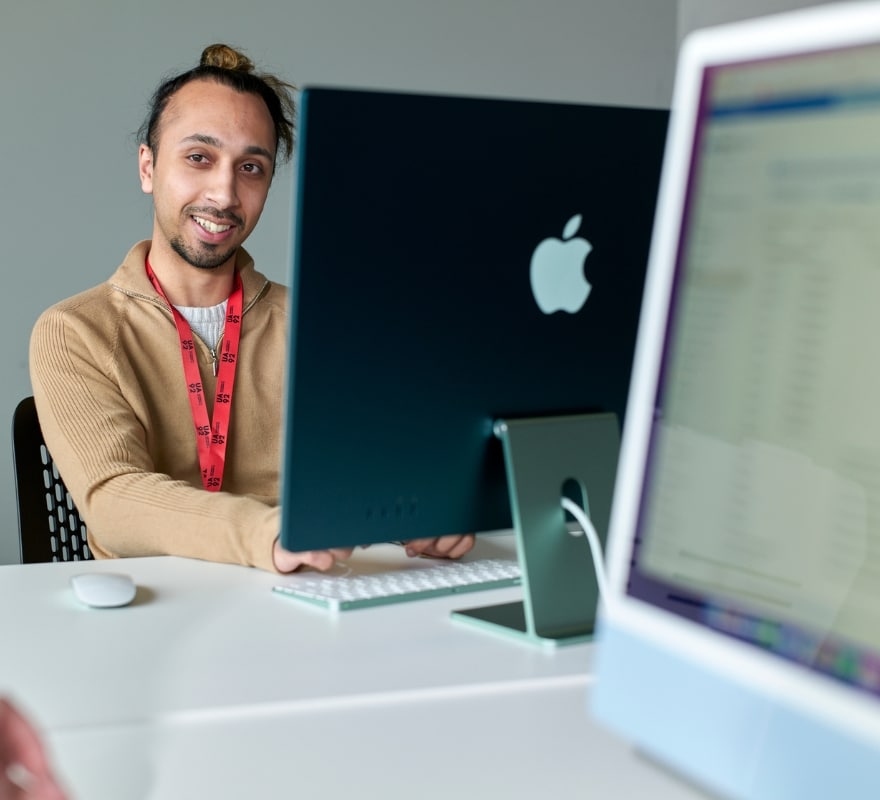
{"points": [[75, 78], [693, 14]]}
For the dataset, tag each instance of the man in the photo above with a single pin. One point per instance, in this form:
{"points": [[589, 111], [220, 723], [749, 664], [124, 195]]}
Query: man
{"points": [[160, 391], [24, 767]]}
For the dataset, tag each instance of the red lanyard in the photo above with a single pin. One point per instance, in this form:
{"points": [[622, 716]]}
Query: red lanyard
{"points": [[212, 434]]}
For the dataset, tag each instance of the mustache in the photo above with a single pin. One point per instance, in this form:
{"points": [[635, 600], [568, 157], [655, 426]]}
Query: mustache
{"points": [[215, 213]]}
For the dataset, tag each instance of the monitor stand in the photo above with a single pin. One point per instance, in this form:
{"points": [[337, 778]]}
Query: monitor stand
{"points": [[544, 458]]}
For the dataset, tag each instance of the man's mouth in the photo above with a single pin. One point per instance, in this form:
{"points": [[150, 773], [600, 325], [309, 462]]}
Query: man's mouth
{"points": [[211, 227]]}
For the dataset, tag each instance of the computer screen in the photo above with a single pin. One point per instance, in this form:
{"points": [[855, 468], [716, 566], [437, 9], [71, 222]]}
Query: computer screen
{"points": [[745, 528], [456, 260]]}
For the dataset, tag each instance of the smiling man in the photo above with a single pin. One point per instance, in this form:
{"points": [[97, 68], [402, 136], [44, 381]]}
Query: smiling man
{"points": [[160, 391]]}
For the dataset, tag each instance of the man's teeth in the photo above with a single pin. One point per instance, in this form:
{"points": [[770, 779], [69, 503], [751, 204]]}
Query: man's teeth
{"points": [[211, 227]]}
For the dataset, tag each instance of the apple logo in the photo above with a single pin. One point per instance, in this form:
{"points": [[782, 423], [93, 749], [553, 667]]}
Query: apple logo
{"points": [[557, 271]]}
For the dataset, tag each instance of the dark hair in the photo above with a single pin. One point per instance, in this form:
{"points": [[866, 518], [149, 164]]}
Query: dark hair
{"points": [[225, 65]]}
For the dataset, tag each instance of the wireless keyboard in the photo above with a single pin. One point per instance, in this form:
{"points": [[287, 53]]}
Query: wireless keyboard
{"points": [[344, 592]]}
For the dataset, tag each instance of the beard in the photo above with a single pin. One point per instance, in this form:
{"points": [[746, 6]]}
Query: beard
{"points": [[206, 257], [203, 255]]}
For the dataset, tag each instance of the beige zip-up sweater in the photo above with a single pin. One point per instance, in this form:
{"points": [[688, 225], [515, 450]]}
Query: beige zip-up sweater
{"points": [[110, 393]]}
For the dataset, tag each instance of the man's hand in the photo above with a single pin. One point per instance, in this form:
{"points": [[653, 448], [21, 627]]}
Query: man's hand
{"points": [[441, 547], [24, 767], [286, 561]]}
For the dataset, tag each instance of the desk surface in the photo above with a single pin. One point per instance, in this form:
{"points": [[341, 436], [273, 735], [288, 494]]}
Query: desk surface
{"points": [[531, 743], [209, 682], [209, 636]]}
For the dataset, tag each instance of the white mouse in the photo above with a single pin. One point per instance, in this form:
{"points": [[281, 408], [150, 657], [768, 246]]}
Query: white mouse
{"points": [[103, 589]]}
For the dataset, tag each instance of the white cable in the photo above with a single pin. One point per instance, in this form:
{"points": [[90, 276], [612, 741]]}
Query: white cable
{"points": [[595, 546]]}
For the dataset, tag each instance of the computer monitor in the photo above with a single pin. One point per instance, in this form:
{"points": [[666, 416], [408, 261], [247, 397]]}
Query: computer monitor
{"points": [[456, 261], [741, 643]]}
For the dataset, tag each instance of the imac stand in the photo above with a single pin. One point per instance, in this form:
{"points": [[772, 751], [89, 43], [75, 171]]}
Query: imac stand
{"points": [[544, 459]]}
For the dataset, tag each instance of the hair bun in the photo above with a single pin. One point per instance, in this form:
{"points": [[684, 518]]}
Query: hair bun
{"points": [[225, 57]]}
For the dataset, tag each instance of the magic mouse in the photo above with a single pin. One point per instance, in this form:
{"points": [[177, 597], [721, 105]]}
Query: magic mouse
{"points": [[103, 589]]}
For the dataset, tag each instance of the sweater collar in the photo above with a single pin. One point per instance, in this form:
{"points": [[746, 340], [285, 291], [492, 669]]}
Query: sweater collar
{"points": [[131, 276]]}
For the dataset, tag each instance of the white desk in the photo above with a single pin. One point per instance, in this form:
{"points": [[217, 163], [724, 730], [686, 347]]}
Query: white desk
{"points": [[210, 685], [531, 743], [209, 636]]}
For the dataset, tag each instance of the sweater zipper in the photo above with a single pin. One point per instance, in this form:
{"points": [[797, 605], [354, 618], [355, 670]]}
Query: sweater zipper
{"points": [[215, 366]]}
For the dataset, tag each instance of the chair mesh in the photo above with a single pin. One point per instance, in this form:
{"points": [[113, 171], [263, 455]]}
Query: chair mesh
{"points": [[68, 536]]}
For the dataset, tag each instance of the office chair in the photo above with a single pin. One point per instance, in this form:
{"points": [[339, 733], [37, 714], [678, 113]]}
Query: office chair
{"points": [[49, 526]]}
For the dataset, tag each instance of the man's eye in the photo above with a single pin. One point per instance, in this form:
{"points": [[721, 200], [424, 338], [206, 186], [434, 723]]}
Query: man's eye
{"points": [[197, 158], [252, 168]]}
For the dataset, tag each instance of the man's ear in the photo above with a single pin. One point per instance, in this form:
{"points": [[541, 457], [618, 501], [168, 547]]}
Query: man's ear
{"points": [[145, 168]]}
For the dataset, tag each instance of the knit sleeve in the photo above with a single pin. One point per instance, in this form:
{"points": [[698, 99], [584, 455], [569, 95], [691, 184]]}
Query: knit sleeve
{"points": [[123, 443]]}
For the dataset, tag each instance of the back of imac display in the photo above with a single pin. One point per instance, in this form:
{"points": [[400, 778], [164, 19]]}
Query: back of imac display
{"points": [[456, 261]]}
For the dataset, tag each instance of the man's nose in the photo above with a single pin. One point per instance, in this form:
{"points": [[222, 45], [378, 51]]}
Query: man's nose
{"points": [[222, 191]]}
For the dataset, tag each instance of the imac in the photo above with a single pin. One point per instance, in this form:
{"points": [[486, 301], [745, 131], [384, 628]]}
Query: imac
{"points": [[459, 262], [741, 645]]}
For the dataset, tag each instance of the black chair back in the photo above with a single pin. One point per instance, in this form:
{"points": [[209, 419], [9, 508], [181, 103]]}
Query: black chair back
{"points": [[49, 526]]}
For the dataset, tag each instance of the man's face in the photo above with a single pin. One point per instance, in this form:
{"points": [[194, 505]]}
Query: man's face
{"points": [[211, 172]]}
